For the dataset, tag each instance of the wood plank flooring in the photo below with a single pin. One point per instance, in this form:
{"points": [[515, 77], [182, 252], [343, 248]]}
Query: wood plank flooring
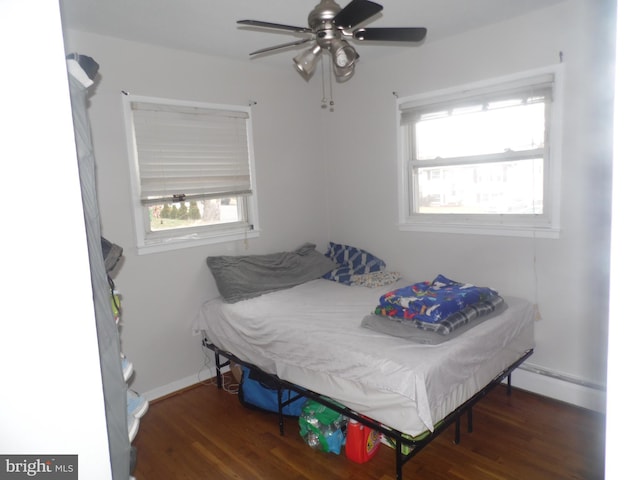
{"points": [[204, 433]]}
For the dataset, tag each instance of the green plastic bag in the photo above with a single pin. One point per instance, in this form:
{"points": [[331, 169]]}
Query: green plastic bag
{"points": [[321, 427]]}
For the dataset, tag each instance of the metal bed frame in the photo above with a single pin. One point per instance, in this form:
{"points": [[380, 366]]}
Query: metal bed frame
{"points": [[401, 441]]}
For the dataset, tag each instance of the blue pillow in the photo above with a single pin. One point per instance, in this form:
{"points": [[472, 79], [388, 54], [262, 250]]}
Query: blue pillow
{"points": [[352, 261]]}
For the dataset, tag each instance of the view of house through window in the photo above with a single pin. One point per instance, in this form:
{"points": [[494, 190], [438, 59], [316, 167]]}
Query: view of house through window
{"points": [[480, 155], [482, 159]]}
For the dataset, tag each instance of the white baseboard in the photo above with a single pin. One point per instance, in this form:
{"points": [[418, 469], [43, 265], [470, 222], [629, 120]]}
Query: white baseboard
{"points": [[558, 389], [201, 377]]}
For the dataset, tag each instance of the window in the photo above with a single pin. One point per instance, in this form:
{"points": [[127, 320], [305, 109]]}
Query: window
{"points": [[191, 172], [482, 158]]}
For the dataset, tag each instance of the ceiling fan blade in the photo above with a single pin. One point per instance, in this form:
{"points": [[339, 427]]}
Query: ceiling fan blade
{"points": [[408, 34], [282, 45], [355, 13], [279, 26]]}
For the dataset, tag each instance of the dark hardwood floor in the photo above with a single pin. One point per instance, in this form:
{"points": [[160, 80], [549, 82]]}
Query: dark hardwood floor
{"points": [[204, 433]]}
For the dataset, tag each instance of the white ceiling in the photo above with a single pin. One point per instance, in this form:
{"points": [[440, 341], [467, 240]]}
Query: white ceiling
{"points": [[209, 26]]}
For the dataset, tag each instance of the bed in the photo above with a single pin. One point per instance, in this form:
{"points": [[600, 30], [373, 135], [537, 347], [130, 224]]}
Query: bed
{"points": [[313, 337]]}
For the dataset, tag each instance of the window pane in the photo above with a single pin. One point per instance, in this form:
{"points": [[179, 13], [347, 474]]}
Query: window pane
{"points": [[514, 187], [196, 213], [493, 128]]}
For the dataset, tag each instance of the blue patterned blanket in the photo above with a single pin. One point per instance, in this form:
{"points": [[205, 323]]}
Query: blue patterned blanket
{"points": [[441, 305]]}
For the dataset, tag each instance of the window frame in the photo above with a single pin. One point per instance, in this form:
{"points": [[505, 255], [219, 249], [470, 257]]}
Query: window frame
{"points": [[148, 241], [546, 225]]}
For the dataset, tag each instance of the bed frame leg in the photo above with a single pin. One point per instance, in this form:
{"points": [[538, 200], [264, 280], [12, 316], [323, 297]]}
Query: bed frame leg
{"points": [[280, 414], [399, 459], [469, 424], [218, 371], [509, 384]]}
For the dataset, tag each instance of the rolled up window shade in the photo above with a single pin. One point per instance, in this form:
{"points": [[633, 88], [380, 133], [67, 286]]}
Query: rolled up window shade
{"points": [[187, 153], [529, 90]]}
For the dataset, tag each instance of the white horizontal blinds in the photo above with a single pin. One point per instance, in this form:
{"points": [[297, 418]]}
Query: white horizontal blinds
{"points": [[528, 90], [187, 153]]}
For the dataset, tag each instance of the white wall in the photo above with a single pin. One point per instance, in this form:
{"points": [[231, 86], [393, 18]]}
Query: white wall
{"points": [[568, 277], [52, 401], [334, 186], [162, 292]]}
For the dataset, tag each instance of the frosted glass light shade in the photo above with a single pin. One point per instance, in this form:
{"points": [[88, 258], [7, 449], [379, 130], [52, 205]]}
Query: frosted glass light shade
{"points": [[343, 73], [343, 54], [306, 61]]}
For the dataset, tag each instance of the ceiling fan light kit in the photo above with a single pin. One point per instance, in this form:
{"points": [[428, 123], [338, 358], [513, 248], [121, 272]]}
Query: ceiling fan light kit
{"points": [[343, 54], [306, 61], [329, 27]]}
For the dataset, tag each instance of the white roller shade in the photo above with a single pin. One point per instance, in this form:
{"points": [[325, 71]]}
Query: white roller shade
{"points": [[528, 90], [186, 152]]}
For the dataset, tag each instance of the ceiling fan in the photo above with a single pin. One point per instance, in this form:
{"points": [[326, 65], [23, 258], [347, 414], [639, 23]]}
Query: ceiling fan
{"points": [[329, 28]]}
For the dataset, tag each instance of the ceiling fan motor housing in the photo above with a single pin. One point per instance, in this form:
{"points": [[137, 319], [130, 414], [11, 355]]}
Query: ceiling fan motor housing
{"points": [[321, 22], [323, 13]]}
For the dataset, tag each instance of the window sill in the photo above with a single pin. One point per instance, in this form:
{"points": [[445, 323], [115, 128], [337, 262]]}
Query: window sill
{"points": [[496, 230], [194, 240]]}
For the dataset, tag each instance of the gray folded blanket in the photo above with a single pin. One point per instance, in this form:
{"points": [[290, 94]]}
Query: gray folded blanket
{"points": [[408, 329]]}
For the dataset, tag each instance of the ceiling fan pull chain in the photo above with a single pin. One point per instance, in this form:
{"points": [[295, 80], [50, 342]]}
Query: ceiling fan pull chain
{"points": [[331, 103], [323, 102]]}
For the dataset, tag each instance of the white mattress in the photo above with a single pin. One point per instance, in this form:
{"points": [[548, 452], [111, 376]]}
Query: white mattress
{"points": [[310, 335]]}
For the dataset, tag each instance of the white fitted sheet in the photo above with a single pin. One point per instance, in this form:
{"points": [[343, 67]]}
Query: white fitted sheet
{"points": [[310, 335]]}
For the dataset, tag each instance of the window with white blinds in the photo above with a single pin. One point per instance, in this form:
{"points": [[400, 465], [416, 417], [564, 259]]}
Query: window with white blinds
{"points": [[190, 152], [192, 172]]}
